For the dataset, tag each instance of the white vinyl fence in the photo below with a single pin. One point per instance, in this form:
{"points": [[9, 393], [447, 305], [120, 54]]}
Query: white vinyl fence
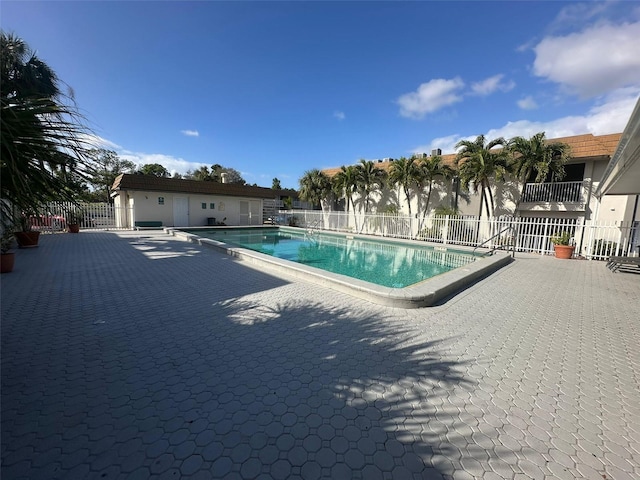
{"points": [[55, 217], [593, 240]]}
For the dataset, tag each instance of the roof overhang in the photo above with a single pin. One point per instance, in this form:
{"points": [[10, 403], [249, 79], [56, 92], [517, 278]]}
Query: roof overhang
{"points": [[622, 176]]}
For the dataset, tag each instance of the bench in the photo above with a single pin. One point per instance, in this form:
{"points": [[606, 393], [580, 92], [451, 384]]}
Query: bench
{"points": [[147, 225], [615, 263]]}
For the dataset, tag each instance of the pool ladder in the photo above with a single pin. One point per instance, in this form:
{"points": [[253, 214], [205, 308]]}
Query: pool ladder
{"points": [[511, 245], [311, 231]]}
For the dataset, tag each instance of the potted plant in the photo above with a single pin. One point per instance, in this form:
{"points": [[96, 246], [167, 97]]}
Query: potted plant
{"points": [[75, 218], [561, 245], [7, 257], [25, 236]]}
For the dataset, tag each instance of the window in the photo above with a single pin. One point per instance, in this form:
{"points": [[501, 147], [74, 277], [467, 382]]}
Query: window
{"points": [[160, 200], [212, 206], [204, 205]]}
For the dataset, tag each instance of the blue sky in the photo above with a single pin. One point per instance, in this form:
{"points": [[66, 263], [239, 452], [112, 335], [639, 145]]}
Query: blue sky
{"points": [[273, 89]]}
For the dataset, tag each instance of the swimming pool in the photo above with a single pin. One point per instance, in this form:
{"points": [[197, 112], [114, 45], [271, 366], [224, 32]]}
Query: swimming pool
{"points": [[416, 274], [388, 264]]}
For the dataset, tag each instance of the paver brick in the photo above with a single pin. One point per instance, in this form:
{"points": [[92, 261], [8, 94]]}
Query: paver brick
{"points": [[261, 376]]}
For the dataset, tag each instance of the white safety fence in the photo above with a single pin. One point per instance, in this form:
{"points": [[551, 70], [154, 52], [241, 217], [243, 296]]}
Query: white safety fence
{"points": [[593, 240], [55, 217]]}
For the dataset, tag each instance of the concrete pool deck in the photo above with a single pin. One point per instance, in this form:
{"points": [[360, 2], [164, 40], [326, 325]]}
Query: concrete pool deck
{"points": [[138, 355]]}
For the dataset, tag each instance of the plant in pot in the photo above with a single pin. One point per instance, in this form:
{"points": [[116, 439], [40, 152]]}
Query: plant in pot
{"points": [[74, 220], [562, 245], [25, 236], [7, 257]]}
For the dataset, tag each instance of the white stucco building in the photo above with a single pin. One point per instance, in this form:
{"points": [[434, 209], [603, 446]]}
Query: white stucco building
{"points": [[145, 200]]}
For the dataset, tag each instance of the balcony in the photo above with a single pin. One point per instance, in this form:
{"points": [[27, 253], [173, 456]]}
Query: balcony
{"points": [[554, 196]]}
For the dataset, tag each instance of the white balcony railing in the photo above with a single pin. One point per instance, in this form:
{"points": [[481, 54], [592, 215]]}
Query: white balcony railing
{"points": [[563, 192]]}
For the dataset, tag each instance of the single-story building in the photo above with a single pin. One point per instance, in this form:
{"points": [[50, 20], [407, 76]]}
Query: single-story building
{"points": [[146, 200]]}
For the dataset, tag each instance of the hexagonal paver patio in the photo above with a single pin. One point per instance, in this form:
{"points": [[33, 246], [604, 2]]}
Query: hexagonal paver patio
{"points": [[137, 355]]}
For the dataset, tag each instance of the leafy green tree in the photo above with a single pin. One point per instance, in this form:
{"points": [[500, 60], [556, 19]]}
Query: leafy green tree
{"points": [[275, 185], [315, 187], [233, 175], [478, 163], [43, 136], [105, 166], [215, 174], [536, 155], [404, 172], [370, 179], [154, 169]]}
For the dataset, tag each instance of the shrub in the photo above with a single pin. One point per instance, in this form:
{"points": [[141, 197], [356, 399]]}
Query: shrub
{"points": [[604, 248]]}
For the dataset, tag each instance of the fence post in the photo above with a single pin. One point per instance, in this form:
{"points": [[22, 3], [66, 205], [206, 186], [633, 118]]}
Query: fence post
{"points": [[545, 238], [445, 230]]}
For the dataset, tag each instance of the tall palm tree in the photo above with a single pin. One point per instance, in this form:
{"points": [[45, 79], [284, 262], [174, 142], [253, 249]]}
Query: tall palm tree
{"points": [[431, 168], [404, 172], [536, 155], [43, 138], [370, 179], [315, 187], [345, 183], [478, 163]]}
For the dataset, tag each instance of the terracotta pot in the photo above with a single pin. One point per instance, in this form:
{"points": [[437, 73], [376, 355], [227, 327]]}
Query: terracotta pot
{"points": [[27, 239], [564, 251], [6, 262], [73, 227]]}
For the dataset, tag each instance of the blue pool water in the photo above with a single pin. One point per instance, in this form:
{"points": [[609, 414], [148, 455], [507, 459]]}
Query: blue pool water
{"points": [[388, 264]]}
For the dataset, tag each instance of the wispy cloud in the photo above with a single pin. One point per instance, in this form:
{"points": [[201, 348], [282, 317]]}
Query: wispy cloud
{"points": [[190, 133], [527, 103], [609, 116], [591, 62], [430, 96], [491, 85], [339, 115]]}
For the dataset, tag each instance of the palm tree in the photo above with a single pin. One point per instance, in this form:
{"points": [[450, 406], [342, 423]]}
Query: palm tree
{"points": [[315, 187], [478, 163], [431, 168], [404, 172], [345, 183], [370, 179], [537, 155], [43, 140]]}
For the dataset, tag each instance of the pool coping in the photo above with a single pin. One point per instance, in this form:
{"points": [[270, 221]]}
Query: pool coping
{"points": [[423, 294]]}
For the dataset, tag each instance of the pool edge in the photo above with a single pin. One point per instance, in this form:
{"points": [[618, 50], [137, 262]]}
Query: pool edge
{"points": [[424, 294]]}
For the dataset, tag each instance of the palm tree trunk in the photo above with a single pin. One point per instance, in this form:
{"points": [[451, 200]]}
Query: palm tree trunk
{"points": [[406, 194], [493, 206]]}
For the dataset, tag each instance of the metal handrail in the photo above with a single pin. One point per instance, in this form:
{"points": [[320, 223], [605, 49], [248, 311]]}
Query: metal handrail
{"points": [[513, 243]]}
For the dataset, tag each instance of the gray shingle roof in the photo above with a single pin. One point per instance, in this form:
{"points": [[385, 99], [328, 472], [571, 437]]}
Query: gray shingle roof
{"points": [[158, 184]]}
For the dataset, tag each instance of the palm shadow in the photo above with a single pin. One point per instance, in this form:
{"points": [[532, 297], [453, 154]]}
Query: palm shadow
{"points": [[354, 392]]}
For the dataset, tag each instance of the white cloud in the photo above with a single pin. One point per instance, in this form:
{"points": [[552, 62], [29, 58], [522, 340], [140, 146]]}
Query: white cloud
{"points": [[578, 14], [190, 133], [609, 116], [527, 103], [446, 144], [430, 96], [339, 115], [592, 62], [96, 141], [490, 85], [172, 164]]}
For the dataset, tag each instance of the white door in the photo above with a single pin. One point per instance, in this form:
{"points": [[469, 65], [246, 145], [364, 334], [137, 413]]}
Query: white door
{"points": [[244, 212], [180, 212], [255, 218]]}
